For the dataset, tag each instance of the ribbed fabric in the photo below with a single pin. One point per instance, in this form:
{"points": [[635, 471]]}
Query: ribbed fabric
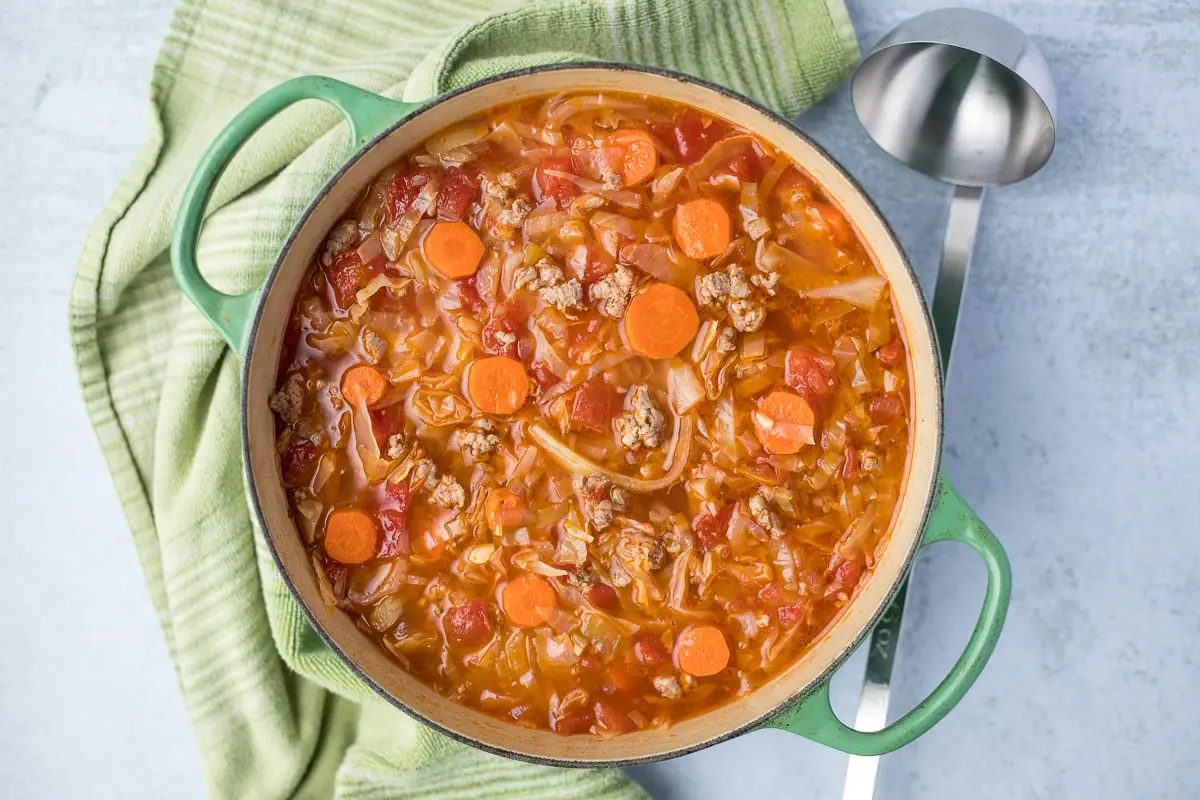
{"points": [[275, 713]]}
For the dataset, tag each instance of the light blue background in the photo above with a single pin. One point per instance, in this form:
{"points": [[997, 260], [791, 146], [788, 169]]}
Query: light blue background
{"points": [[1073, 427]]}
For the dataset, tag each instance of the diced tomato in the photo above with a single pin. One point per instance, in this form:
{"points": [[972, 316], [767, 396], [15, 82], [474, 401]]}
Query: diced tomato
{"points": [[394, 541], [338, 575], [459, 189], [545, 377], [469, 625], [760, 159], [602, 596], [345, 275], [663, 131], [400, 494], [852, 469], [593, 406], [562, 190], [771, 594], [297, 461], [848, 573], [401, 192], [792, 614], [468, 294], [737, 605], [619, 679], [884, 409], [891, 353], [650, 650], [810, 374], [573, 722], [740, 167], [712, 529], [693, 138], [384, 425], [581, 336], [495, 337], [611, 719]]}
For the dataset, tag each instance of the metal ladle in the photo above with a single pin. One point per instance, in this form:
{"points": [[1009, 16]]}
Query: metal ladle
{"points": [[967, 98]]}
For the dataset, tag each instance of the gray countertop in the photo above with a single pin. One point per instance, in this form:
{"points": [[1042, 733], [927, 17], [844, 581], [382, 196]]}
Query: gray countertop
{"points": [[1072, 427]]}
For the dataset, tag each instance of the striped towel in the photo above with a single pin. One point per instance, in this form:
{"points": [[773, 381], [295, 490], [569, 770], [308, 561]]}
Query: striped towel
{"points": [[275, 713]]}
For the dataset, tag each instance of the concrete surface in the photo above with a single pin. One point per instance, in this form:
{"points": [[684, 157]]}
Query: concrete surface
{"points": [[1072, 427]]}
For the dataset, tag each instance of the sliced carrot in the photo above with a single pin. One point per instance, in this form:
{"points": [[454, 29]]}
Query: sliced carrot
{"points": [[453, 249], [784, 422], [639, 157], [702, 228], [528, 600], [363, 384], [505, 509], [350, 536], [661, 321], [701, 650], [497, 384]]}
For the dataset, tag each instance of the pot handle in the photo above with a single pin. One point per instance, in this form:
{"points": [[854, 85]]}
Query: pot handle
{"points": [[950, 520], [368, 114]]}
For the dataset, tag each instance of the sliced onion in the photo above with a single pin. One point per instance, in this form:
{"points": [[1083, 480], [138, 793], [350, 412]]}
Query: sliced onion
{"points": [[582, 465], [547, 206], [684, 389], [461, 136], [558, 110], [853, 544], [863, 292], [752, 222], [620, 197], [547, 353], [601, 364], [615, 222], [719, 155], [370, 249], [653, 259], [537, 227], [795, 271], [381, 281], [374, 467], [666, 183], [523, 465], [393, 239], [724, 427], [773, 175]]}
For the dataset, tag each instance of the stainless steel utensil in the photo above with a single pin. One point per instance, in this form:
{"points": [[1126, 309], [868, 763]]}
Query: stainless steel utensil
{"points": [[967, 98]]}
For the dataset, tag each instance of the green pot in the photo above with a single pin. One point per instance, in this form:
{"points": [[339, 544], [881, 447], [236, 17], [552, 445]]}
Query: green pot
{"points": [[928, 511]]}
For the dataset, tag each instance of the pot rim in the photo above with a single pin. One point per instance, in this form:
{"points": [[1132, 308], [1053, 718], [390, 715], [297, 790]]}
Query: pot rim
{"points": [[827, 672]]}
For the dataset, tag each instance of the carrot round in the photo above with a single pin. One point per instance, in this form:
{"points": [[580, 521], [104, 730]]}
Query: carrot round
{"points": [[784, 422], [363, 384], [350, 536], [639, 158], [702, 228], [497, 384], [528, 600], [701, 650], [505, 509], [661, 321], [453, 249]]}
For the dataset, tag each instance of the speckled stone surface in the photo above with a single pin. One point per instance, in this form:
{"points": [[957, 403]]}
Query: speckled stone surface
{"points": [[1073, 427]]}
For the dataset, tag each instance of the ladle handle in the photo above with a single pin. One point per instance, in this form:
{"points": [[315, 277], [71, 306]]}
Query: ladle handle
{"points": [[957, 247]]}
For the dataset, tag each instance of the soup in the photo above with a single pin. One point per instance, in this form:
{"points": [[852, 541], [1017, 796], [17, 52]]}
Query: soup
{"points": [[593, 413]]}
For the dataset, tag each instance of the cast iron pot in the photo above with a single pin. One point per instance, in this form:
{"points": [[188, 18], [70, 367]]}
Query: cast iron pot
{"points": [[929, 509]]}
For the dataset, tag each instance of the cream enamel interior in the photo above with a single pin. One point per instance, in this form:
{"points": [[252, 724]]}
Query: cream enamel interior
{"points": [[472, 725]]}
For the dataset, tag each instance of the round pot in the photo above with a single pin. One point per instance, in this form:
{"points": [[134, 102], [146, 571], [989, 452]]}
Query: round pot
{"points": [[929, 510]]}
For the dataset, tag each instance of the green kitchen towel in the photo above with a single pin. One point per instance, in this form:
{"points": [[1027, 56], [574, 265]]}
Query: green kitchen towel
{"points": [[275, 713]]}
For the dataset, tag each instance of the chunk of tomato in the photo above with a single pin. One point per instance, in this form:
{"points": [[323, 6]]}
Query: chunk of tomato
{"points": [[611, 719], [810, 374], [561, 189], [712, 529], [649, 649], [297, 462], [468, 294], [394, 541], [884, 409], [545, 377], [573, 722], [693, 138], [592, 408], [500, 336], [402, 191], [602, 596], [792, 614], [459, 189], [469, 625], [891, 353], [345, 275], [849, 573], [384, 425]]}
